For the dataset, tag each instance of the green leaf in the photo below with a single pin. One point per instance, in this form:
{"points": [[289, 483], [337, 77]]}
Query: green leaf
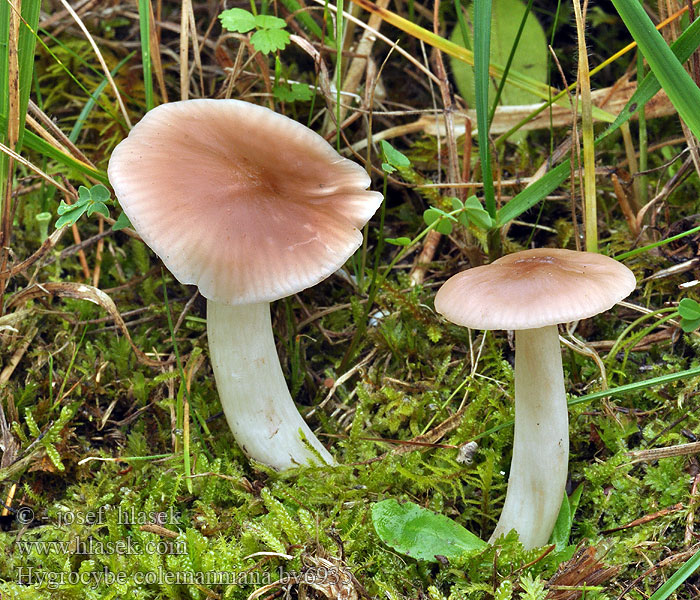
{"points": [[121, 222], [269, 40], [477, 214], [457, 204], [480, 218], [64, 208], [84, 196], [399, 241], [237, 19], [482, 41], [565, 520], [302, 92], [441, 220], [387, 168], [293, 92], [99, 193], [98, 207], [431, 215], [301, 15], [420, 533], [93, 200], [70, 217], [444, 227], [269, 22], [690, 325], [689, 309], [393, 156]]}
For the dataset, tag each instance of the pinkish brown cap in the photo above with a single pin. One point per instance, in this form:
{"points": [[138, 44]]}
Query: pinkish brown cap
{"points": [[241, 201], [534, 288]]}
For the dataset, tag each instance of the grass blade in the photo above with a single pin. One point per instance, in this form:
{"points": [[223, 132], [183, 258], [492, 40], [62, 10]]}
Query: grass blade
{"points": [[144, 27], [482, 53], [590, 213], [92, 100], [26, 45]]}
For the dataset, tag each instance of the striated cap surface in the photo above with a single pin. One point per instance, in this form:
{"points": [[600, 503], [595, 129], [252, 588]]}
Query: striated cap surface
{"points": [[534, 288], [241, 201]]}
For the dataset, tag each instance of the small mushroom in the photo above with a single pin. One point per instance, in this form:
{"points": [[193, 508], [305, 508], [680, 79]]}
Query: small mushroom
{"points": [[531, 292], [251, 207]]}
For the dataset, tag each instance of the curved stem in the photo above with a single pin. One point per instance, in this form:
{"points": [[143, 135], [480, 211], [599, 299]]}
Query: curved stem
{"points": [[253, 391], [541, 441]]}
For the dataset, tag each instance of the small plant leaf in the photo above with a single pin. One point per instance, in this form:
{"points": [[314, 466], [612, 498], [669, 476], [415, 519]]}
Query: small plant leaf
{"points": [[98, 207], [421, 533], [64, 208], [269, 40], [457, 204], [565, 520], [690, 325], [387, 168], [121, 223], [399, 241], [70, 217], [269, 22], [689, 309], [293, 92], [477, 214], [439, 218], [480, 218], [393, 156], [99, 193], [237, 19], [431, 215], [84, 195]]}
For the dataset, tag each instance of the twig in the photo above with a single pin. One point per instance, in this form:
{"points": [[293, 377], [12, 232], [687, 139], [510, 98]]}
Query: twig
{"points": [[666, 452], [646, 518]]}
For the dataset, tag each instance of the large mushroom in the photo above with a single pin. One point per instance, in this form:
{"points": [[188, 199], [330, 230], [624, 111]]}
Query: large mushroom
{"points": [[251, 207], [531, 292]]}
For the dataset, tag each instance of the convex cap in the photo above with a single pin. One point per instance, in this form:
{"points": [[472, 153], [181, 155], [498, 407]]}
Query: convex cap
{"points": [[534, 288], [241, 201]]}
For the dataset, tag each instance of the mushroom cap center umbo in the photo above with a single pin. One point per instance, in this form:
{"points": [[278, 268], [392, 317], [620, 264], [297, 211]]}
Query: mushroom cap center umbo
{"points": [[239, 200]]}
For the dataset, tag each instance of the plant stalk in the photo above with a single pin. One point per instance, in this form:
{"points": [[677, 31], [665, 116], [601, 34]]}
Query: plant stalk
{"points": [[541, 440], [253, 391]]}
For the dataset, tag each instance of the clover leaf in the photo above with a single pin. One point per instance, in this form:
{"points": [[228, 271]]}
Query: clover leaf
{"points": [[90, 201], [270, 34], [393, 159], [689, 311]]}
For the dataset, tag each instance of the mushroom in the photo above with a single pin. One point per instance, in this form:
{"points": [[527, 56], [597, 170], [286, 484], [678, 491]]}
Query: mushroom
{"points": [[251, 207], [531, 292]]}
